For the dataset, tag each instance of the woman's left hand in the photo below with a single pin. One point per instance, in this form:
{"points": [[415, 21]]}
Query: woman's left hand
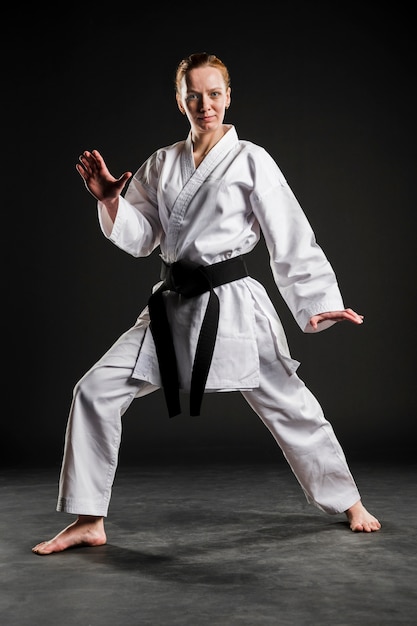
{"points": [[348, 315]]}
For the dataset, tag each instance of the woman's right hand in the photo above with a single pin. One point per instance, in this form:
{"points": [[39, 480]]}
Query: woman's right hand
{"points": [[97, 178]]}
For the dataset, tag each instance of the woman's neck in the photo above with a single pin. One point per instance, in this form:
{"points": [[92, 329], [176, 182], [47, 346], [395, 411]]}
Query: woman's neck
{"points": [[204, 143]]}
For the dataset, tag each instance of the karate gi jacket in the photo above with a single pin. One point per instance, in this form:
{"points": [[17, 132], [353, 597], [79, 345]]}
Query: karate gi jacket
{"points": [[210, 214]]}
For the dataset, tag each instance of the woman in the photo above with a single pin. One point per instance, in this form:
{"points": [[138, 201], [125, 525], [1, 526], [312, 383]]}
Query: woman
{"points": [[208, 325]]}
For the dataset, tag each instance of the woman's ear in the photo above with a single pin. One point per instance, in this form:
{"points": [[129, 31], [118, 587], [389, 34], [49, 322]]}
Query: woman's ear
{"points": [[228, 97], [179, 103]]}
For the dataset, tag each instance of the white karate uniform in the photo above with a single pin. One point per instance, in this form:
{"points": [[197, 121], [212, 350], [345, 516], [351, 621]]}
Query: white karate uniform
{"points": [[206, 215]]}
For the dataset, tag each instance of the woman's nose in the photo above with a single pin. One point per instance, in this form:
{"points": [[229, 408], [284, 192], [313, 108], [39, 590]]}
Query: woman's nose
{"points": [[205, 103]]}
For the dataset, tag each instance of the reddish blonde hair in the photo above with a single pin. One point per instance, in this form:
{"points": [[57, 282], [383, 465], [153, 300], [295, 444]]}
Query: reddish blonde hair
{"points": [[200, 59]]}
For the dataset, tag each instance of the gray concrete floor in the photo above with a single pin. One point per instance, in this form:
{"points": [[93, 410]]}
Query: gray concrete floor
{"points": [[212, 545]]}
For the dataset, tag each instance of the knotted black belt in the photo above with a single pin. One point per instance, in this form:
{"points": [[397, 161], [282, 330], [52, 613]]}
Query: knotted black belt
{"points": [[189, 279]]}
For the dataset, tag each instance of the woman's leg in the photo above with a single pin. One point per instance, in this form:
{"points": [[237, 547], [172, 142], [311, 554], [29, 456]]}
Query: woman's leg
{"points": [[296, 421], [92, 442]]}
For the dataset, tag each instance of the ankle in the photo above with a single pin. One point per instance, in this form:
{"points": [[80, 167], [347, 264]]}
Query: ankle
{"points": [[90, 519]]}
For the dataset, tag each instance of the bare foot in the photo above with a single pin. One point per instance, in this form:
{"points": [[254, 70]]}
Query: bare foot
{"points": [[361, 520], [87, 530]]}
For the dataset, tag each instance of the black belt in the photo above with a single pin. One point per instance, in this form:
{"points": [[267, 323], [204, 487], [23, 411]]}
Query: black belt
{"points": [[189, 279]]}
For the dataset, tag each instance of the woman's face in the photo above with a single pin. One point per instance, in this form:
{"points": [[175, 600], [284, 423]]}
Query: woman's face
{"points": [[204, 98]]}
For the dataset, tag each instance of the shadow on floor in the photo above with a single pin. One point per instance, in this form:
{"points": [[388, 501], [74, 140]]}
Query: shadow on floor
{"points": [[212, 545]]}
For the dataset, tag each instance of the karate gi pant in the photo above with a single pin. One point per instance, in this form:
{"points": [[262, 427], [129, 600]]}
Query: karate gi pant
{"points": [[282, 401]]}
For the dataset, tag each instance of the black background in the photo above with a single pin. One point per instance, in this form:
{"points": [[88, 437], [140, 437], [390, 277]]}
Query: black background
{"points": [[327, 88]]}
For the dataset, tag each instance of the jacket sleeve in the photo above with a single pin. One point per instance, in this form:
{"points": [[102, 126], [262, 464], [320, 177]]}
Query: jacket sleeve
{"points": [[137, 229], [302, 273]]}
